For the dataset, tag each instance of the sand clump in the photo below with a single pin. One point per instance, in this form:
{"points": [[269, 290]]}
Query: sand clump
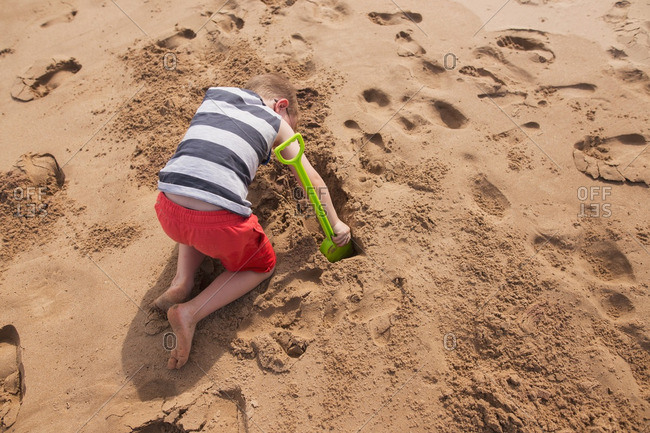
{"points": [[29, 203]]}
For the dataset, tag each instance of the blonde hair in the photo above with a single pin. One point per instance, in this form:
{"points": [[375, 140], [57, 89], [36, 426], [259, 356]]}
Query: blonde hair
{"points": [[275, 86]]}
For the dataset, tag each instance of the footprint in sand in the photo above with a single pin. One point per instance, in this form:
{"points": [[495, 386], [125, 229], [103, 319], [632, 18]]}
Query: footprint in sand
{"points": [[374, 310], [371, 147], [156, 322], [489, 197], [419, 111], [488, 78], [43, 77], [377, 140], [433, 67], [578, 90], [607, 261], [635, 77], [380, 329], [407, 47], [177, 39], [556, 248], [532, 2], [425, 176], [412, 122], [425, 70], [278, 3], [373, 304], [376, 96], [351, 124], [616, 53], [12, 377], [616, 304], [296, 53], [65, 18], [333, 310], [323, 11], [620, 158], [298, 47], [518, 153], [618, 13], [540, 52], [450, 116], [228, 22], [640, 334], [492, 86], [496, 54], [519, 51], [391, 19]]}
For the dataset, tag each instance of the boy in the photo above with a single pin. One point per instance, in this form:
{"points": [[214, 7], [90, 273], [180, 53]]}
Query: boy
{"points": [[202, 201]]}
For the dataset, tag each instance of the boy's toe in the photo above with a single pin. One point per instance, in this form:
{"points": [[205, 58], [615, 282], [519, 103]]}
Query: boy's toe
{"points": [[172, 363], [181, 360]]}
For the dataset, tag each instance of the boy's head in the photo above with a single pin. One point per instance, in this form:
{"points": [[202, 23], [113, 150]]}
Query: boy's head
{"points": [[277, 89]]}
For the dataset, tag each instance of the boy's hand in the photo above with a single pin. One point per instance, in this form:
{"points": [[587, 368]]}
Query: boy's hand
{"points": [[341, 233]]}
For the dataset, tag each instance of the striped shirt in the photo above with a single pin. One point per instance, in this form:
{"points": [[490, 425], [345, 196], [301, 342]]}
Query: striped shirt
{"points": [[230, 135]]}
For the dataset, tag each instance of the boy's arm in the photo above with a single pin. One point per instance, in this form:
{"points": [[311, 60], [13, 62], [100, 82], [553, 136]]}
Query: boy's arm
{"points": [[341, 230]]}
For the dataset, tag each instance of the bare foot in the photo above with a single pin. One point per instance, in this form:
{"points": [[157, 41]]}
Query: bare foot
{"points": [[183, 326], [174, 295]]}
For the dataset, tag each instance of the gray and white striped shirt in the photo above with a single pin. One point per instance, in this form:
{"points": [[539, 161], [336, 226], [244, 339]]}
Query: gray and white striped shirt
{"points": [[230, 135]]}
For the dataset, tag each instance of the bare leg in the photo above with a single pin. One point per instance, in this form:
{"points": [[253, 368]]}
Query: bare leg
{"points": [[189, 260], [223, 290]]}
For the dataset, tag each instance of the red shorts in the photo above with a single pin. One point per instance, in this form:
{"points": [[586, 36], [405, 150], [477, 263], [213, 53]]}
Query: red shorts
{"points": [[238, 242]]}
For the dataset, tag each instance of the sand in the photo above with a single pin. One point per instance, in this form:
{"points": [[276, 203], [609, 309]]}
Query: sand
{"points": [[491, 158]]}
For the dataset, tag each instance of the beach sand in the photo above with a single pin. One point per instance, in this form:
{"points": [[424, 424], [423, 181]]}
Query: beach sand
{"points": [[490, 157]]}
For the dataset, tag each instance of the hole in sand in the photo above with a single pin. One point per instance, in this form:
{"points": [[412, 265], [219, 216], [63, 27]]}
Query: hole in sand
{"points": [[432, 67], [449, 115], [635, 139], [351, 124], [377, 96], [159, 427]]}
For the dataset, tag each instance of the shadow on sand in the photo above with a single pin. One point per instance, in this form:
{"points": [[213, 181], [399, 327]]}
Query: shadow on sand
{"points": [[144, 355]]}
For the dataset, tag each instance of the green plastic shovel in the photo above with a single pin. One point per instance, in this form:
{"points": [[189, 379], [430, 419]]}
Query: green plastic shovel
{"points": [[333, 252]]}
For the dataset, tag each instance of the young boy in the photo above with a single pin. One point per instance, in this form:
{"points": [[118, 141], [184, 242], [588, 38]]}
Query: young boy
{"points": [[202, 204]]}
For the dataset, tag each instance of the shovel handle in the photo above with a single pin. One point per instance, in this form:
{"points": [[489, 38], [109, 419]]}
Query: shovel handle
{"points": [[296, 159], [296, 162]]}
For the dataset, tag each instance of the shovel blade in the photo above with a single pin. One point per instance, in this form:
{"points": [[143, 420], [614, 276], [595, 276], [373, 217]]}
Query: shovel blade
{"points": [[333, 252]]}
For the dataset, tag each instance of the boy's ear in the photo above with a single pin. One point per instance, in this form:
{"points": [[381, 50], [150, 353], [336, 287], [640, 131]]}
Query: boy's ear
{"points": [[281, 104]]}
